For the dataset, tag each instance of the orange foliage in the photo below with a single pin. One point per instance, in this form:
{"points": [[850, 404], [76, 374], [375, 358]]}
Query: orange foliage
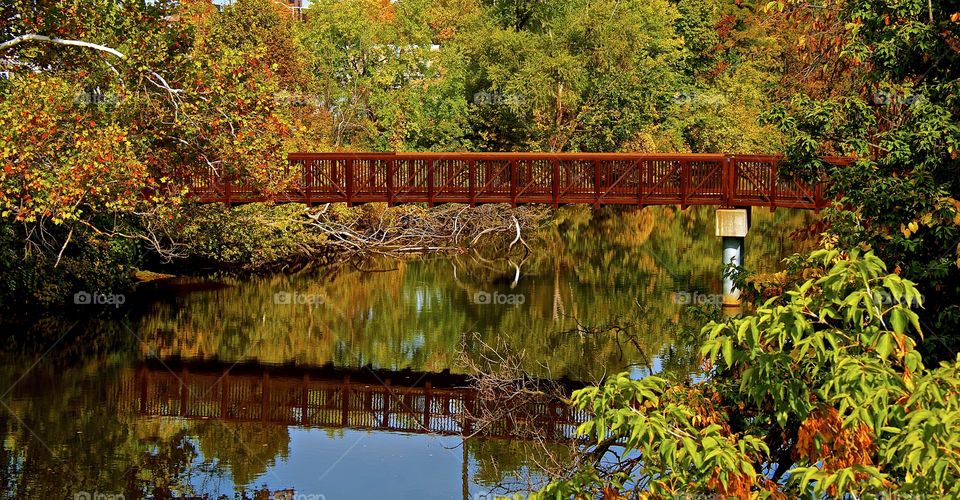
{"points": [[822, 438], [611, 493], [738, 485], [385, 11]]}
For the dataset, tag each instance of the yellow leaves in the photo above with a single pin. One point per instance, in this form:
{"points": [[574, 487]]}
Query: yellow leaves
{"points": [[909, 229], [956, 211], [908, 379], [776, 4]]}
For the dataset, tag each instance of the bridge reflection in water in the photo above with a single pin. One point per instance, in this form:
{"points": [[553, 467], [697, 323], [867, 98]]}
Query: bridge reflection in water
{"points": [[405, 401]]}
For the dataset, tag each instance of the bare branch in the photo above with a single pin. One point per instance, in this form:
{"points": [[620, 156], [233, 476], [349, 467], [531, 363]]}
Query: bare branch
{"points": [[60, 41]]}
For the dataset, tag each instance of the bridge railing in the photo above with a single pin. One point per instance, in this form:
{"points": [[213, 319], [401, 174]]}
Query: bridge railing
{"points": [[520, 178]]}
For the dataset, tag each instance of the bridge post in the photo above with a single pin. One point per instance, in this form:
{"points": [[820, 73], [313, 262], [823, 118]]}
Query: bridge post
{"points": [[226, 189], [596, 183], [307, 167], [431, 165], [555, 182], [391, 192], [472, 182], [732, 225], [349, 175], [514, 183]]}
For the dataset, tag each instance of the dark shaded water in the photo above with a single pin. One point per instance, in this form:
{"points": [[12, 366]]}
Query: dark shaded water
{"points": [[99, 406]]}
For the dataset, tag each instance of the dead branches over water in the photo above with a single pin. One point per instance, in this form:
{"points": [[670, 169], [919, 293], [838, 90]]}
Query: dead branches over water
{"points": [[377, 230], [507, 399]]}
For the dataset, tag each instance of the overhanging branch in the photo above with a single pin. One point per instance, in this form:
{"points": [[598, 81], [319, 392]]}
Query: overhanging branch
{"points": [[79, 43], [60, 41]]}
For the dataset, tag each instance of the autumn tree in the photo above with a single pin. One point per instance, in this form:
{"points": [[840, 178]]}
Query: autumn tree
{"points": [[106, 115], [899, 120]]}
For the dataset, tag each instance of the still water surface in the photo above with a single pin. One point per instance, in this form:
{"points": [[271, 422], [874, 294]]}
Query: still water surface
{"points": [[97, 405]]}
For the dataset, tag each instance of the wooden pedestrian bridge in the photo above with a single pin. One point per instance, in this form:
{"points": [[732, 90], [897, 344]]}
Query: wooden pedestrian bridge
{"points": [[521, 178], [364, 399]]}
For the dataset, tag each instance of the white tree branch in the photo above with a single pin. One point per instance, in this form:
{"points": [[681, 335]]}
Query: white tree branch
{"points": [[61, 41], [79, 43]]}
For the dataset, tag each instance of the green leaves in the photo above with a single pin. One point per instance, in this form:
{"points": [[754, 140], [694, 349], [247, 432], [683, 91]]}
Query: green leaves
{"points": [[895, 109], [828, 372]]}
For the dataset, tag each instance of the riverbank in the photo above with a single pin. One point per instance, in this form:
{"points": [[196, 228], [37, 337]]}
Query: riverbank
{"points": [[46, 272]]}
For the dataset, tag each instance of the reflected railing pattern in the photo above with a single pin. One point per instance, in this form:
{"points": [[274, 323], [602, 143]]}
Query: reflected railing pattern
{"points": [[410, 402]]}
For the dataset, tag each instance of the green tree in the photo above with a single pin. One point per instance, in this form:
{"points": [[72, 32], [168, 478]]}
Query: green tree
{"points": [[384, 78], [821, 392]]}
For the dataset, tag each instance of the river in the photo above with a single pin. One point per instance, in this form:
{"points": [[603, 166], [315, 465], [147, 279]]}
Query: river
{"points": [[222, 386]]}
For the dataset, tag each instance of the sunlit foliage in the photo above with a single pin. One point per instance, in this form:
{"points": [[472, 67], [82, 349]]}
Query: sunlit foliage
{"points": [[821, 392]]}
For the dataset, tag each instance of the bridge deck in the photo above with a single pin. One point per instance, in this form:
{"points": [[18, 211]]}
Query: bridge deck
{"points": [[520, 178]]}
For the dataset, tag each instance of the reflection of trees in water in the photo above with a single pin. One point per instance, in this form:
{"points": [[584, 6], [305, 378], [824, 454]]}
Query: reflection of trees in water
{"points": [[64, 433], [74, 437], [590, 268], [508, 466], [247, 449], [413, 316], [67, 436]]}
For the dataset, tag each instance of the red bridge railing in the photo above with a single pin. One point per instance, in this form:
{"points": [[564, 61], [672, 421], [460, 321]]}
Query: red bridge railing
{"points": [[519, 178]]}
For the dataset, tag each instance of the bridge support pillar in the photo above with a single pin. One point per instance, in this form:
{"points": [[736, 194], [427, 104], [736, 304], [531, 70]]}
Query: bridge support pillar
{"points": [[732, 226]]}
